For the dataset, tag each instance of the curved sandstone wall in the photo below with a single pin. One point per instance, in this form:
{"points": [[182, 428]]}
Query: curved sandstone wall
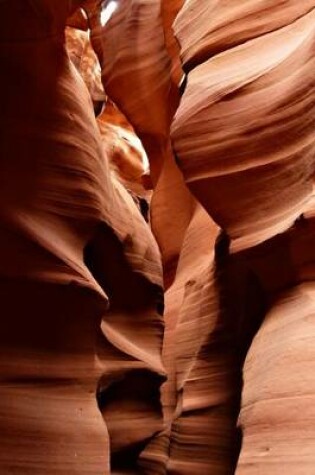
{"points": [[181, 343]]}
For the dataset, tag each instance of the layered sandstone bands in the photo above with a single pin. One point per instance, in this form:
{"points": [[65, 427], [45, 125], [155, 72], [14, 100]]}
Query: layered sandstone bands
{"points": [[84, 58], [83, 353], [277, 402], [251, 123], [244, 138], [71, 235], [138, 59], [205, 29], [131, 49]]}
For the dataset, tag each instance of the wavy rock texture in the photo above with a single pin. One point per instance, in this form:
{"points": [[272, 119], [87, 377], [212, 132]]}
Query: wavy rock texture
{"points": [[277, 414], [244, 139], [133, 54], [230, 24], [127, 157], [70, 237], [83, 57], [169, 11], [205, 373], [236, 107], [130, 62], [278, 405], [232, 210]]}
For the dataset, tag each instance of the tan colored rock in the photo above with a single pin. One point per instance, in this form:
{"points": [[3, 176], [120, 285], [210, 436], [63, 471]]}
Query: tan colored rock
{"points": [[127, 157], [169, 11], [277, 416], [130, 45], [231, 234], [85, 60], [244, 139], [239, 142], [138, 59], [205, 29]]}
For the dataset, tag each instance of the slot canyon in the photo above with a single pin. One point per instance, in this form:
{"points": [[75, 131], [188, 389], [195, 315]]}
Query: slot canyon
{"points": [[157, 243]]}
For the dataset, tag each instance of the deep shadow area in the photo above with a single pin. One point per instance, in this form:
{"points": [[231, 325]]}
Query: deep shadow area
{"points": [[243, 304], [137, 392], [128, 397], [127, 289]]}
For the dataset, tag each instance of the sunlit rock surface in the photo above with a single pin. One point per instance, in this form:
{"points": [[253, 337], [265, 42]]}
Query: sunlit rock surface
{"points": [[84, 58]]}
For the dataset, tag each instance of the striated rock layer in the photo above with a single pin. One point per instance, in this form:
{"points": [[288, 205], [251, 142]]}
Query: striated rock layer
{"points": [[215, 203], [71, 238], [244, 139], [138, 59], [236, 135]]}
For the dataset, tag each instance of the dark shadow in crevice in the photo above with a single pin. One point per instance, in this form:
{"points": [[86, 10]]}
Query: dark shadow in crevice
{"points": [[127, 289], [137, 393], [124, 394], [243, 304]]}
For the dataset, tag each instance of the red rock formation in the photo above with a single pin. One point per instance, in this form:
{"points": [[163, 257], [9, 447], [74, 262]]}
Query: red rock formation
{"points": [[71, 237], [244, 138], [127, 157], [78, 19], [205, 29], [277, 414], [169, 10], [138, 59], [261, 138], [83, 57], [231, 222]]}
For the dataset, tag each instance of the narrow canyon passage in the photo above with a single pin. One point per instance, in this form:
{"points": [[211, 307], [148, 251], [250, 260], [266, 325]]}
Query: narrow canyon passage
{"points": [[157, 243]]}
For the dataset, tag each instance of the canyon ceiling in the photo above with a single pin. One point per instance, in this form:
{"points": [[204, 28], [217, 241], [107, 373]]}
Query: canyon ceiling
{"points": [[157, 242]]}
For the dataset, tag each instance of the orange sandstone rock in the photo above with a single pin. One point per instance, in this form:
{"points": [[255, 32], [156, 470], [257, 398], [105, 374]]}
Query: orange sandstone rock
{"points": [[70, 237]]}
